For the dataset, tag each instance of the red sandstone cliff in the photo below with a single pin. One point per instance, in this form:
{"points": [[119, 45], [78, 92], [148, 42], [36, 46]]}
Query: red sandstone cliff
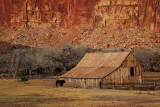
{"points": [[143, 14]]}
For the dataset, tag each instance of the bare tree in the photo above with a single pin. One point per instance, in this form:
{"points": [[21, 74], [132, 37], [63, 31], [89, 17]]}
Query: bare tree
{"points": [[69, 54], [155, 62], [16, 61], [32, 60], [38, 58], [150, 59], [4, 61]]}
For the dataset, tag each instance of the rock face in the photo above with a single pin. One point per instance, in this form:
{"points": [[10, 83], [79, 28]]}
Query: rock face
{"points": [[144, 14]]}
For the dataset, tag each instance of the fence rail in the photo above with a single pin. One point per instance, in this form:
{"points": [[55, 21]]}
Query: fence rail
{"points": [[151, 77]]}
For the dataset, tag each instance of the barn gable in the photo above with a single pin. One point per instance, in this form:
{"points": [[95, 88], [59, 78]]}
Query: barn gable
{"points": [[97, 65], [130, 71]]}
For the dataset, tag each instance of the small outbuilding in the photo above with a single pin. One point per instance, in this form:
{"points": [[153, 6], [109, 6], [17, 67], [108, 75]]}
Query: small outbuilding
{"points": [[97, 68]]}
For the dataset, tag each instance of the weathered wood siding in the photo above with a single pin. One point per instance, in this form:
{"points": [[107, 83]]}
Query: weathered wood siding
{"points": [[123, 74], [82, 83]]}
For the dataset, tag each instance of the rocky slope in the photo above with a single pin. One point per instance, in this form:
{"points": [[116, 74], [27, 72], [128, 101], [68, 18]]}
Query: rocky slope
{"points": [[143, 14], [96, 38]]}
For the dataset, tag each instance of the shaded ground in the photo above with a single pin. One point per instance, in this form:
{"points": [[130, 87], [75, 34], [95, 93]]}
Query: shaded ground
{"points": [[43, 93]]}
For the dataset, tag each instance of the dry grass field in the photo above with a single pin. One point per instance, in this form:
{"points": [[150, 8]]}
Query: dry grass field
{"points": [[43, 93]]}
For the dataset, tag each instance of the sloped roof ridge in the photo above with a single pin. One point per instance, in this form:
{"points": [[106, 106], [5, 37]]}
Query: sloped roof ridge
{"points": [[111, 52]]}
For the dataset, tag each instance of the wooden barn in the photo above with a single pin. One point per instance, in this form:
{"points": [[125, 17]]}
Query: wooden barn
{"points": [[97, 68]]}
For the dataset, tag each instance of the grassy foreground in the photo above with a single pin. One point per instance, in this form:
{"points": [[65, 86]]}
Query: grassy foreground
{"points": [[43, 93]]}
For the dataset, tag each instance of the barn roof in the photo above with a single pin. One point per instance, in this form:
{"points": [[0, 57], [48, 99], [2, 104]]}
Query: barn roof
{"points": [[97, 65]]}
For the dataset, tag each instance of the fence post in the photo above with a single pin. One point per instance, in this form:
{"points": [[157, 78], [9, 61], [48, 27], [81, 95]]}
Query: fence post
{"points": [[132, 85], [154, 86], [113, 85]]}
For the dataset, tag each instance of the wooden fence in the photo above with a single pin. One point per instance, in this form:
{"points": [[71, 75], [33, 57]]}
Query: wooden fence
{"points": [[148, 83]]}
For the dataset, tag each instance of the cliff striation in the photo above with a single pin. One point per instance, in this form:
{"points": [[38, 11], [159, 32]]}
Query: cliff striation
{"points": [[144, 14]]}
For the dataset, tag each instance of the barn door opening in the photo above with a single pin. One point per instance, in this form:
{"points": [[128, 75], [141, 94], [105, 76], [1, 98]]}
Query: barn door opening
{"points": [[132, 71]]}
